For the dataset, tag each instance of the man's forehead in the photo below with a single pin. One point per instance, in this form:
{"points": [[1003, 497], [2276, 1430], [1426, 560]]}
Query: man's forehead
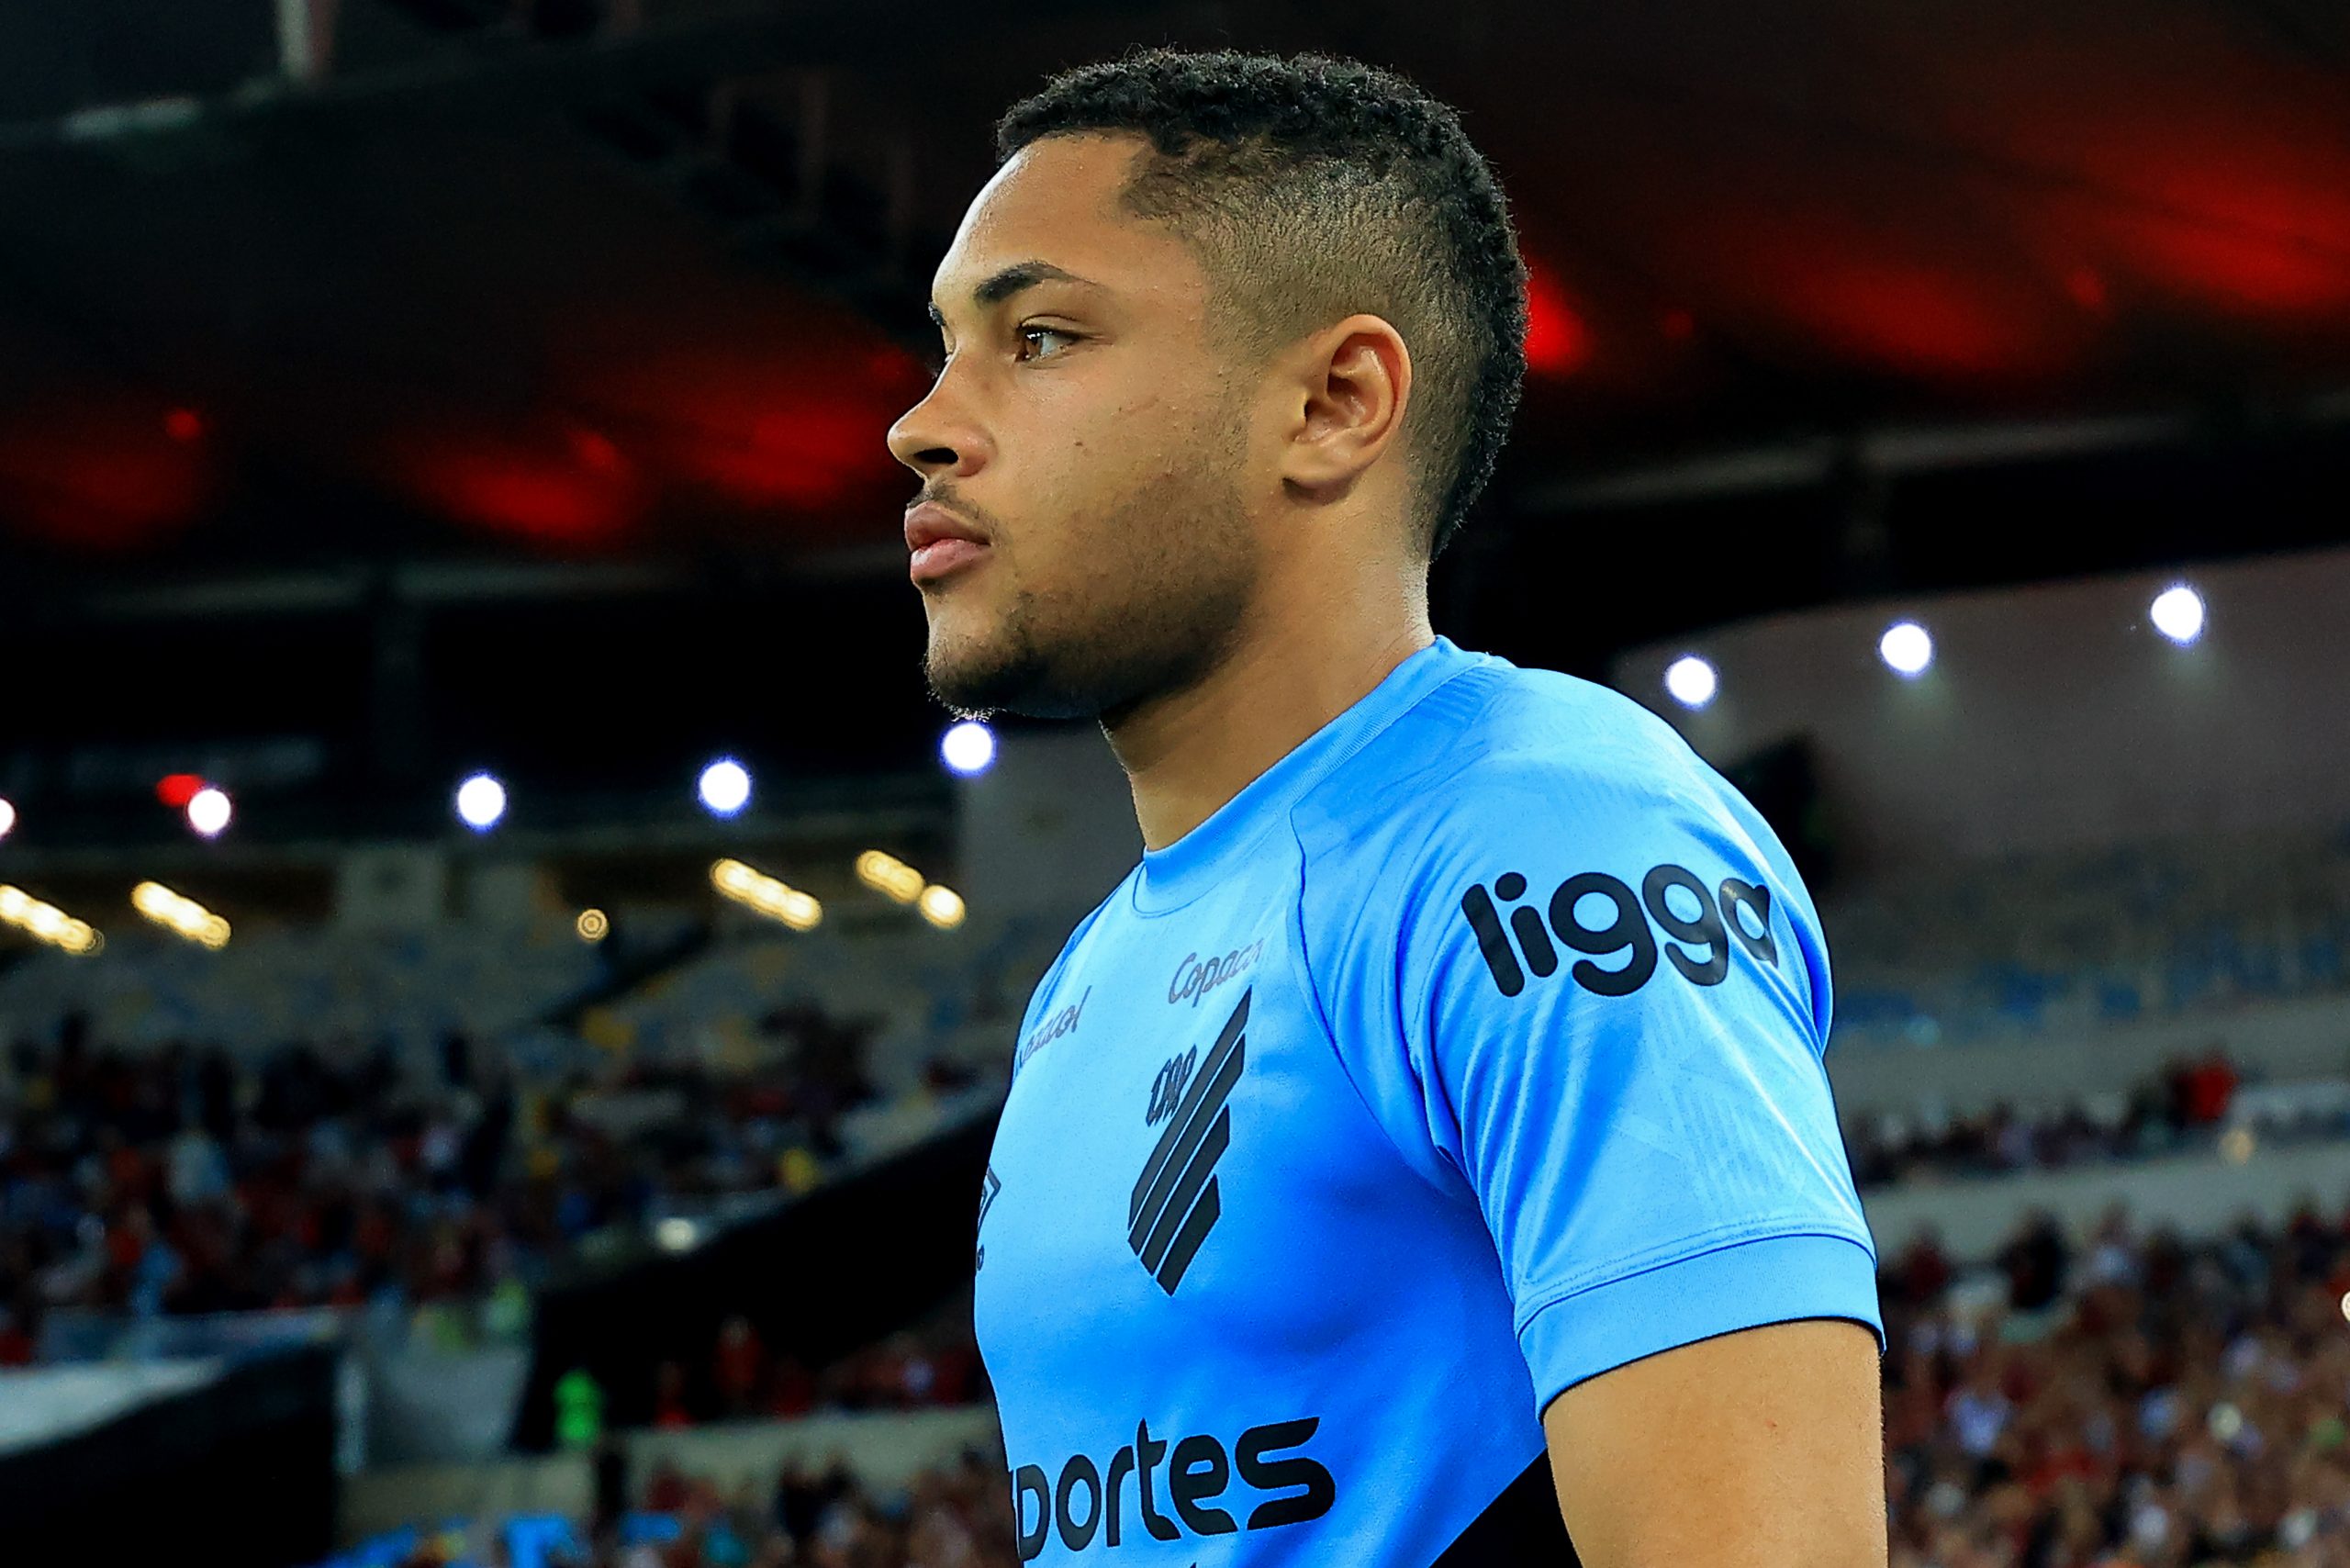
{"points": [[1056, 200]]}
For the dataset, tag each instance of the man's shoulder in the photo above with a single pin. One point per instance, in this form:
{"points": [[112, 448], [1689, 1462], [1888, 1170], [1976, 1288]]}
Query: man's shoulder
{"points": [[1494, 748]]}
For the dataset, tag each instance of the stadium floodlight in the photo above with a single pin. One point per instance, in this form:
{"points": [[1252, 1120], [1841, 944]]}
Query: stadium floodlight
{"points": [[481, 802], [725, 787], [967, 748], [7, 817], [1691, 681], [209, 811], [2177, 613], [1906, 648]]}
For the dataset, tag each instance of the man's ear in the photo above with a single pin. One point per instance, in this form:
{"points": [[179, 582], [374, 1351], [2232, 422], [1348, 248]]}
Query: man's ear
{"points": [[1348, 385]]}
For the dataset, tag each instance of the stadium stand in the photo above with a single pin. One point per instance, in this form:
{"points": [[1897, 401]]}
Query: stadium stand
{"points": [[2056, 944]]}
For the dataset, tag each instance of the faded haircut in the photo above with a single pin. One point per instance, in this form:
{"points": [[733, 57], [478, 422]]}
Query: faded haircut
{"points": [[1312, 189]]}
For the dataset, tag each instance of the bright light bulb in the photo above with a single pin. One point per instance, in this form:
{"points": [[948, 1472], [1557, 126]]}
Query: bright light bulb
{"points": [[481, 802], [1907, 647], [1691, 681], [2178, 615], [208, 811], [8, 818], [967, 748], [725, 787]]}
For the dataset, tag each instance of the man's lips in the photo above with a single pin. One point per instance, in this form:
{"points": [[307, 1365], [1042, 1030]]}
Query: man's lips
{"points": [[940, 541]]}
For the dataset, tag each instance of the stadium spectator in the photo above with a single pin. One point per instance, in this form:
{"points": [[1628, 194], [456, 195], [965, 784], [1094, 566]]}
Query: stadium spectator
{"points": [[740, 1368], [670, 1408], [2200, 1090]]}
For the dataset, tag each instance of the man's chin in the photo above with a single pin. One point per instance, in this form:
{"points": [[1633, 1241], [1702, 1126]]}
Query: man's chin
{"points": [[976, 682], [973, 678]]}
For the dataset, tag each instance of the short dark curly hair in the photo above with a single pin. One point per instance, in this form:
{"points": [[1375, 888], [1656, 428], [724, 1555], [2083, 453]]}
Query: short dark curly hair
{"points": [[1313, 188]]}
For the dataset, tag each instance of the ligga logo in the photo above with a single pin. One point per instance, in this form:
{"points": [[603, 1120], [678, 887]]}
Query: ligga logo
{"points": [[1703, 928]]}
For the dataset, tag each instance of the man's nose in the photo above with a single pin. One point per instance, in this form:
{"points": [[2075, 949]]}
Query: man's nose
{"points": [[933, 437]]}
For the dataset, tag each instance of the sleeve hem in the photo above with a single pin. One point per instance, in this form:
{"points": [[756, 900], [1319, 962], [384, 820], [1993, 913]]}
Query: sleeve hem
{"points": [[1775, 1279]]}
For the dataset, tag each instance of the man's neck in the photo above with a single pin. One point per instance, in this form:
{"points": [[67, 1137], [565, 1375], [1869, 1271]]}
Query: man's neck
{"points": [[1188, 753]]}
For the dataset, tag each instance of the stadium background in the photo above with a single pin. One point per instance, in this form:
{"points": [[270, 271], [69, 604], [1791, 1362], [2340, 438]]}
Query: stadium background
{"points": [[413, 408]]}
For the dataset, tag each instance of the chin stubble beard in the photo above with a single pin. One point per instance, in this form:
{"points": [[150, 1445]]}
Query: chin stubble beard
{"points": [[1139, 651], [997, 681]]}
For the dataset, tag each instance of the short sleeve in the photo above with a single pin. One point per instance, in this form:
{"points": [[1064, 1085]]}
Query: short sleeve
{"points": [[1603, 1012]]}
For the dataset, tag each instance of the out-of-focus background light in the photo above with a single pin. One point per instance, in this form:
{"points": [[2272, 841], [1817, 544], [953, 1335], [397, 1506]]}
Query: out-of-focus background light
{"points": [[481, 802], [180, 914], [967, 748], [209, 810], [2177, 614], [1906, 648], [1691, 681], [770, 896], [886, 874], [725, 787], [45, 923], [943, 907]]}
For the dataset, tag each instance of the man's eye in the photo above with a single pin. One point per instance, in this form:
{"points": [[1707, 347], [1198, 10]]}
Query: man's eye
{"points": [[1032, 339]]}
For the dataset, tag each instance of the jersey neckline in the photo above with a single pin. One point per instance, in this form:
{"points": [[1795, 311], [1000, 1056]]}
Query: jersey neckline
{"points": [[1170, 877]]}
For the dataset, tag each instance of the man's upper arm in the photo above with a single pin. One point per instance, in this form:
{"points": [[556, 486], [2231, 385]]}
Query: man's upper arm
{"points": [[1761, 1449]]}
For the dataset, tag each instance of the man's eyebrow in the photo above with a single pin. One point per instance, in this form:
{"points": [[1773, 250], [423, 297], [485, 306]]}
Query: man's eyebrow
{"points": [[1019, 276]]}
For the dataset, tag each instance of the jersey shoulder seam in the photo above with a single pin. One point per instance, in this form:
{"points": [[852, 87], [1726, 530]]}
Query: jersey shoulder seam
{"points": [[1329, 1037], [1495, 692]]}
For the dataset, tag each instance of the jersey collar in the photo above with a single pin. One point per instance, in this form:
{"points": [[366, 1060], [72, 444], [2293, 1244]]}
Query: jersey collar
{"points": [[1174, 876]]}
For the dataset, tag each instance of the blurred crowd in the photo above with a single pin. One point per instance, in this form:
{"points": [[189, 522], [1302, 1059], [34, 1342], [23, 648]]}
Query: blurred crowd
{"points": [[937, 1363], [952, 1516], [2184, 1107], [2127, 1402], [186, 1180]]}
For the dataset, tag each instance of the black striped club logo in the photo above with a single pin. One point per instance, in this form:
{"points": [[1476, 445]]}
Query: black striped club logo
{"points": [[1175, 1203]]}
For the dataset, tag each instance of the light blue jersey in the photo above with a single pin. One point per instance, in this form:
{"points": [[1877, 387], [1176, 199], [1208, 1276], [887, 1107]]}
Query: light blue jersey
{"points": [[1470, 1051]]}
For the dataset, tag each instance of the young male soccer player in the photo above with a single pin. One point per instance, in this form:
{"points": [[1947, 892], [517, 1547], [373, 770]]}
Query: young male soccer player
{"points": [[1443, 1089]]}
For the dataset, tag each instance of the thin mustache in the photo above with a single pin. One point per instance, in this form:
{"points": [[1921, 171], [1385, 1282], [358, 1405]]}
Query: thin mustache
{"points": [[950, 502]]}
